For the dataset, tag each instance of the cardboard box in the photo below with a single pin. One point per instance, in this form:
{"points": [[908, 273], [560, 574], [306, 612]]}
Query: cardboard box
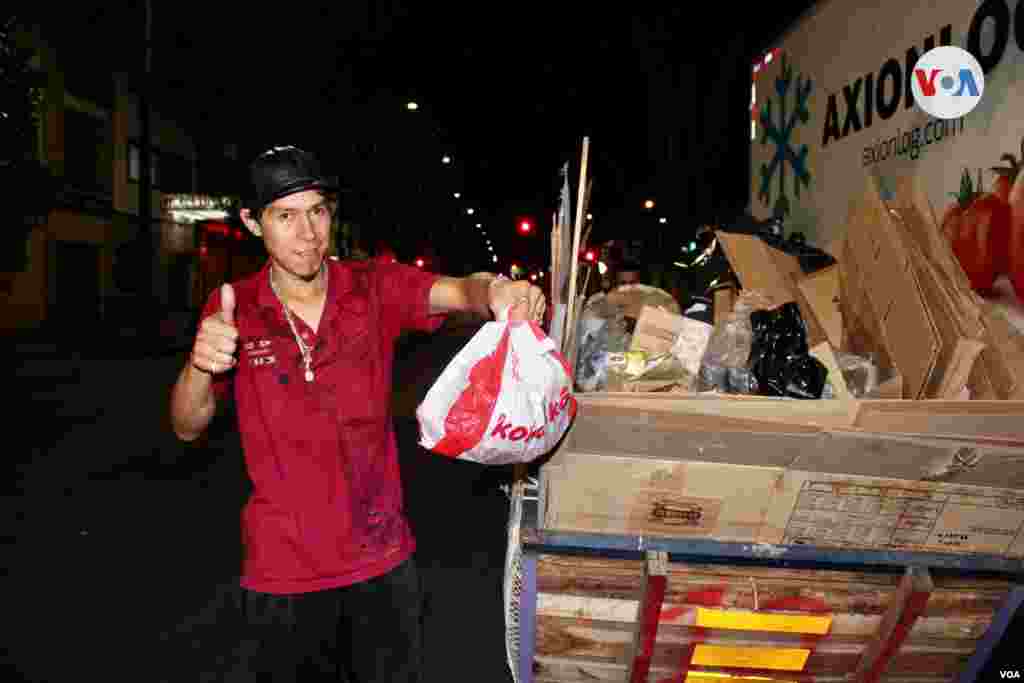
{"points": [[773, 273], [645, 466], [659, 332]]}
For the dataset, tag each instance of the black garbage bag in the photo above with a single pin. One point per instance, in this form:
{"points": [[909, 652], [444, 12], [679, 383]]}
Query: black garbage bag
{"points": [[780, 362]]}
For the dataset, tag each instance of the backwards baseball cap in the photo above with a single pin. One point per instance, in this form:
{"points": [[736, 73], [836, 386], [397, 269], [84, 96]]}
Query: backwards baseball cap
{"points": [[281, 171]]}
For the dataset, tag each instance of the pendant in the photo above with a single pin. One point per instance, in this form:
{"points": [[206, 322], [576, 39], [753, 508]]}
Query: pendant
{"points": [[309, 375]]}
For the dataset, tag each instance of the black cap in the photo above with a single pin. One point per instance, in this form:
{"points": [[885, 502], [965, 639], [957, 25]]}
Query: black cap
{"points": [[281, 171]]}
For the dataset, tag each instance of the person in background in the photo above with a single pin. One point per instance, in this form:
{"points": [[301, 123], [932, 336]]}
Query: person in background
{"points": [[304, 347]]}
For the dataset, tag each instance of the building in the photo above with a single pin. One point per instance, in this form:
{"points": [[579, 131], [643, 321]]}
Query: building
{"points": [[81, 265]]}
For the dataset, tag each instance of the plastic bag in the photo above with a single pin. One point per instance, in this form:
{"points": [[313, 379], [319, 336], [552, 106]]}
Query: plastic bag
{"points": [[602, 329], [780, 361], [724, 367], [505, 398], [860, 373]]}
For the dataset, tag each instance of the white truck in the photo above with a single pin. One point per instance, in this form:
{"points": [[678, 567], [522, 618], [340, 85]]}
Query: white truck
{"points": [[832, 102]]}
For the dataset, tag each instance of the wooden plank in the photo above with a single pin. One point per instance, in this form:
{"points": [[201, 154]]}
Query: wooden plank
{"points": [[803, 415], [654, 579], [943, 628], [570, 330], [981, 418], [908, 604]]}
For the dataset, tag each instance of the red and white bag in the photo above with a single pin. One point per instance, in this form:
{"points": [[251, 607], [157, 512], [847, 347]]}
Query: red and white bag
{"points": [[505, 398]]}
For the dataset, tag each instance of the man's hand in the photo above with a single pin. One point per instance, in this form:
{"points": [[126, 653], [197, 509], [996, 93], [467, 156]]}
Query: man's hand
{"points": [[523, 300], [217, 341]]}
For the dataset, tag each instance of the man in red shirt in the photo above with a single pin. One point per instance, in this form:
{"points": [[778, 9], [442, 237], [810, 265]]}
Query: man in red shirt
{"points": [[306, 346]]}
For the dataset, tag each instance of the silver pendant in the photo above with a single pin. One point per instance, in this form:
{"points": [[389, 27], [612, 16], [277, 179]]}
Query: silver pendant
{"points": [[309, 375]]}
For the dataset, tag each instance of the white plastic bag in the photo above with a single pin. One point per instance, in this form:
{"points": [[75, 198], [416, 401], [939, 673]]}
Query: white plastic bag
{"points": [[505, 398]]}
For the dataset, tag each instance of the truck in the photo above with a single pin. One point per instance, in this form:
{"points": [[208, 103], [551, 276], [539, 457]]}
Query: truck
{"points": [[833, 102]]}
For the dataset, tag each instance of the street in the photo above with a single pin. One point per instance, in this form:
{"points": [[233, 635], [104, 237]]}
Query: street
{"points": [[126, 543]]}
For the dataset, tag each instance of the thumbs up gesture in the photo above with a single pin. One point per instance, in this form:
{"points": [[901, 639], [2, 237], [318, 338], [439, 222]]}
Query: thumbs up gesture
{"points": [[217, 341]]}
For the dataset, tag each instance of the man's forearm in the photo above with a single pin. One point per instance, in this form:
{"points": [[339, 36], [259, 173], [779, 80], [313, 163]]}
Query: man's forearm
{"points": [[478, 292], [193, 403]]}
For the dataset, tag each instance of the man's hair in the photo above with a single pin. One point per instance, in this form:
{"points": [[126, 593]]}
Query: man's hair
{"points": [[630, 267]]}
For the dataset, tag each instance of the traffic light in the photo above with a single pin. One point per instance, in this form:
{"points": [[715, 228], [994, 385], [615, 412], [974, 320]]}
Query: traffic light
{"points": [[420, 262], [525, 226], [590, 256]]}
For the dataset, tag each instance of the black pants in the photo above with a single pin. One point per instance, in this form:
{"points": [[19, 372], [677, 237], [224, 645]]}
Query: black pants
{"points": [[368, 632]]}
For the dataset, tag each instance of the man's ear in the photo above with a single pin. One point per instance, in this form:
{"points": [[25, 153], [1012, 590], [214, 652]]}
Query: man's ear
{"points": [[251, 223]]}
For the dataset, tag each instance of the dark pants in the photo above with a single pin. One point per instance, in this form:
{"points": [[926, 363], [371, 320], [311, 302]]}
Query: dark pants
{"points": [[368, 632]]}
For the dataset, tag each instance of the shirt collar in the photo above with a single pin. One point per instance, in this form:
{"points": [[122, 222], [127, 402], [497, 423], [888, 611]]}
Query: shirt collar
{"points": [[339, 282]]}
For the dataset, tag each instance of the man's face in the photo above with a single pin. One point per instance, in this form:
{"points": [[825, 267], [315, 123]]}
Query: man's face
{"points": [[296, 231], [628, 277]]}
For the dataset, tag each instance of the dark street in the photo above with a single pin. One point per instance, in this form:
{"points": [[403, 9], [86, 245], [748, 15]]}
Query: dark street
{"points": [[126, 543]]}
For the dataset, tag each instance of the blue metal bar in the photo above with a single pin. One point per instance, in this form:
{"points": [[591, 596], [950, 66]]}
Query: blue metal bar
{"points": [[527, 616], [703, 550], [992, 636]]}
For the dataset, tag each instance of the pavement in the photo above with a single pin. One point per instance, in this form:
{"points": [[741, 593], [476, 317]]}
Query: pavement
{"points": [[126, 543]]}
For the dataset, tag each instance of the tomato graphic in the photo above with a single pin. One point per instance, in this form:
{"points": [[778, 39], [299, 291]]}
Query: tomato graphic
{"points": [[978, 228]]}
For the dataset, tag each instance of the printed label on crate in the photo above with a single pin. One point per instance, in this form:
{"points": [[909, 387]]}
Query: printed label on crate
{"points": [[756, 621], [664, 512], [772, 658], [941, 517]]}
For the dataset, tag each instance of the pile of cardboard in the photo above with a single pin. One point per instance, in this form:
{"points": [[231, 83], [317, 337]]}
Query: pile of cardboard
{"points": [[898, 292]]}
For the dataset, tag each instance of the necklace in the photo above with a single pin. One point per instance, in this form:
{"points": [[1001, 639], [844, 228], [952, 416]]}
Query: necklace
{"points": [[306, 351]]}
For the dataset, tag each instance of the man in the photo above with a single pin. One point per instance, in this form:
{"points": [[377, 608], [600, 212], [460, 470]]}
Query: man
{"points": [[306, 345], [628, 274]]}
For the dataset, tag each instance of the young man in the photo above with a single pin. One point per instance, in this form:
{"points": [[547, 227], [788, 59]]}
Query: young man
{"points": [[306, 347]]}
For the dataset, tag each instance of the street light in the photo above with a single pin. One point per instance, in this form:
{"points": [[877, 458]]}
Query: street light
{"points": [[469, 211], [412, 106], [663, 220], [479, 225], [494, 258], [446, 159], [590, 216], [457, 195], [649, 204]]}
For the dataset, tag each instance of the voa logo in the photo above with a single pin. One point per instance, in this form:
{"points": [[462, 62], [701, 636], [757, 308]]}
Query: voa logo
{"points": [[1009, 674], [948, 82]]}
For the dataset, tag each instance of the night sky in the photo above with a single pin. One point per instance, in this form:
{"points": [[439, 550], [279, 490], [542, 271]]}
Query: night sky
{"points": [[509, 88]]}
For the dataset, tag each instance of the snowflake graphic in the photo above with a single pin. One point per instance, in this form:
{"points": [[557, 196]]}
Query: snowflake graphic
{"points": [[780, 135]]}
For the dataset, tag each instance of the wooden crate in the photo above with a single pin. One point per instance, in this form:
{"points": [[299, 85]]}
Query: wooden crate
{"points": [[602, 618]]}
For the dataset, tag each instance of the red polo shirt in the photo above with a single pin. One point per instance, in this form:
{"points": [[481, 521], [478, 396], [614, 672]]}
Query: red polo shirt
{"points": [[326, 508]]}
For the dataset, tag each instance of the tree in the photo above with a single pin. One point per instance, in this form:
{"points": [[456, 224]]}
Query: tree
{"points": [[20, 107]]}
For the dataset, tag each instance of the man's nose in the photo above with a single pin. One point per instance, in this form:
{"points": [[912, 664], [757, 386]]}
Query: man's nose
{"points": [[306, 230]]}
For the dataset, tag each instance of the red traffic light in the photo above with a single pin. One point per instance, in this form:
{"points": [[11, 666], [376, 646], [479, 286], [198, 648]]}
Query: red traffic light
{"points": [[525, 227], [420, 263], [589, 256]]}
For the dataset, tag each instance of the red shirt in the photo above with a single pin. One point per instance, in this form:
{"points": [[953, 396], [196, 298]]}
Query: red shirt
{"points": [[326, 508]]}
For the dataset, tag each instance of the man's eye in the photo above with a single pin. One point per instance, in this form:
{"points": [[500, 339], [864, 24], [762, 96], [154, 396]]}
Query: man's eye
{"points": [[319, 211], [284, 217]]}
